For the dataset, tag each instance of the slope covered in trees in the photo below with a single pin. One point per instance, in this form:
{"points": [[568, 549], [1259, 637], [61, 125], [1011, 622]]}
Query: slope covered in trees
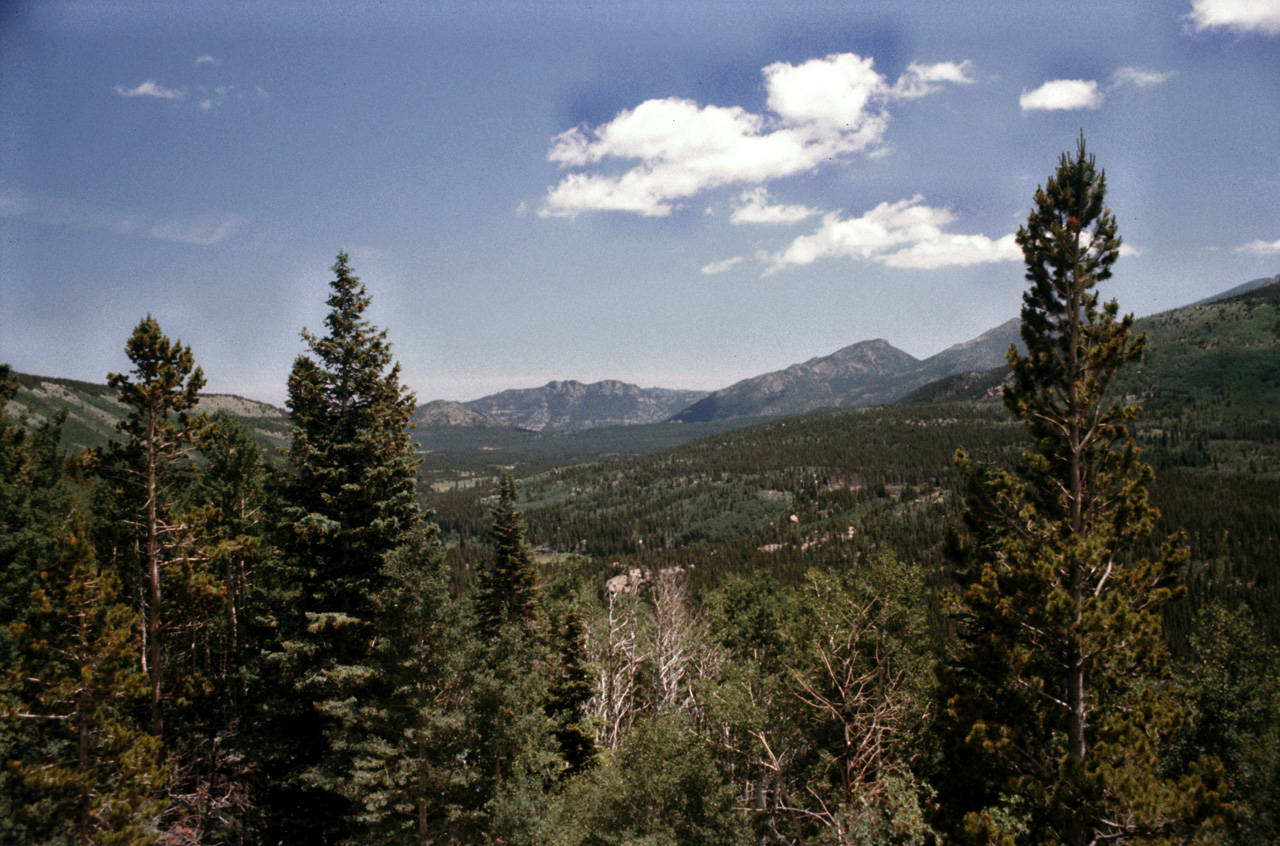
{"points": [[729, 639]]}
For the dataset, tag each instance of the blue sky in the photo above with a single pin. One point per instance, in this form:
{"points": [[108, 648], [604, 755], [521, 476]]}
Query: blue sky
{"points": [[673, 194]]}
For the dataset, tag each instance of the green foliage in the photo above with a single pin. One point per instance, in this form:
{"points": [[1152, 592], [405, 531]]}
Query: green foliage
{"points": [[660, 788], [35, 500], [515, 756], [1230, 679], [508, 590], [351, 494], [571, 689], [90, 773], [162, 387], [1055, 691], [826, 710], [349, 499], [404, 744]]}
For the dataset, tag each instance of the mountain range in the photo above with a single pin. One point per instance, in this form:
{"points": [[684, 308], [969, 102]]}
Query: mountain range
{"points": [[570, 404], [866, 373]]}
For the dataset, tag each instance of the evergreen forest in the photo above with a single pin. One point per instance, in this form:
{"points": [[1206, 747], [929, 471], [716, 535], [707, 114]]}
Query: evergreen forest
{"points": [[1032, 606]]}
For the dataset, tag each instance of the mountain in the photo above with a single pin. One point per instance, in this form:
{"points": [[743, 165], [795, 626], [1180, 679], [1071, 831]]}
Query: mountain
{"points": [[93, 411], [866, 373], [855, 375], [1252, 285], [449, 413], [1215, 362], [573, 405]]}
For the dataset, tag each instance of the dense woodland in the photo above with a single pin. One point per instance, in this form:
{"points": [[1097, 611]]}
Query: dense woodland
{"points": [[972, 621]]}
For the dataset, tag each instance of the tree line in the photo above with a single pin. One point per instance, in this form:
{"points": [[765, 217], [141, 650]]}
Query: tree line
{"points": [[202, 645]]}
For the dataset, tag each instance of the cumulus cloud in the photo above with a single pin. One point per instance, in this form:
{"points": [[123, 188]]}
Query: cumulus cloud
{"points": [[1138, 77], [1239, 16], [151, 89], [907, 233], [721, 266], [753, 206], [1259, 248], [819, 111], [926, 79], [1062, 94]]}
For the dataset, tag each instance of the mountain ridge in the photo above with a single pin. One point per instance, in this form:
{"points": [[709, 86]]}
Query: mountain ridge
{"points": [[569, 404], [865, 373]]}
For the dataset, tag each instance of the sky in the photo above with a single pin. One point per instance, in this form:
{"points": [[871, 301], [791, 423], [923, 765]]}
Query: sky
{"points": [[672, 194]]}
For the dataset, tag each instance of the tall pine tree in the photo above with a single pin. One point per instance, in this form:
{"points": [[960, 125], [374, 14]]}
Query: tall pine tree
{"points": [[162, 387], [1055, 702], [350, 499]]}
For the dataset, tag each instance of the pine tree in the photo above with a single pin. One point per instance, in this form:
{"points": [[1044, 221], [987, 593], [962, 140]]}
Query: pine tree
{"points": [[571, 690], [94, 772], [407, 783], [352, 495], [226, 507], [508, 591], [165, 384], [517, 756], [1055, 703], [35, 500], [350, 498]]}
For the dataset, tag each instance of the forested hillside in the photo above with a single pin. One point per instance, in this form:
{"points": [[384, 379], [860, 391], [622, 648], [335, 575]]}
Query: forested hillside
{"points": [[1029, 615]]}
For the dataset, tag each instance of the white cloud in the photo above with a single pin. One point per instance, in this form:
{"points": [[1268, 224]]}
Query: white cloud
{"points": [[1138, 77], [820, 111], [206, 60], [1127, 249], [1260, 248], [753, 207], [205, 231], [721, 266], [1062, 94], [924, 79], [1239, 16], [902, 234], [151, 89]]}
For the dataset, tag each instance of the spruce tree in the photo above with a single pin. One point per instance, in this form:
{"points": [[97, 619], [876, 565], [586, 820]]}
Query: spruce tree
{"points": [[516, 758], [352, 491], [508, 591], [350, 498], [1055, 702], [407, 783], [162, 387], [570, 691]]}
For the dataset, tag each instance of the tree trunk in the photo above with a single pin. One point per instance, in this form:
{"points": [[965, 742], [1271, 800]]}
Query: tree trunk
{"points": [[153, 572]]}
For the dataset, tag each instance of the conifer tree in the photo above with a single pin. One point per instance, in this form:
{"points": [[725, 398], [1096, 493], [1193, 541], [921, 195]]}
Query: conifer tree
{"points": [[162, 387], [517, 756], [94, 772], [35, 500], [407, 783], [350, 498], [352, 494], [508, 590], [571, 690], [1055, 705]]}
